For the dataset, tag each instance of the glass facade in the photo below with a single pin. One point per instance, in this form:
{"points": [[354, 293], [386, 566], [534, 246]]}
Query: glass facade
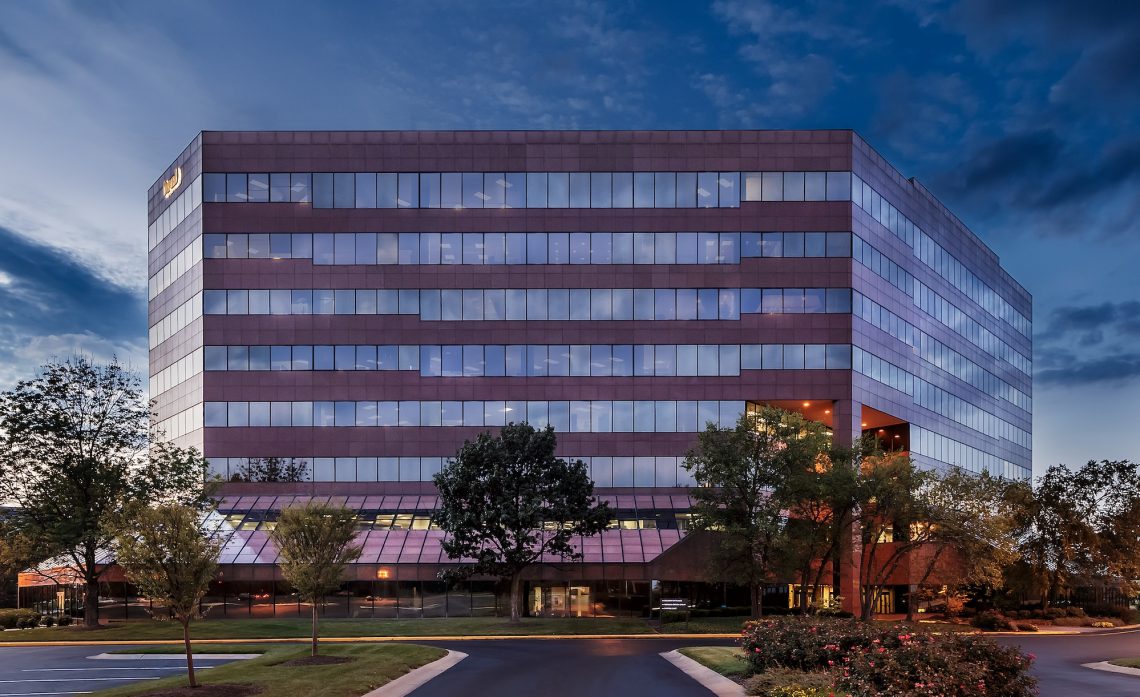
{"points": [[682, 278], [514, 248], [475, 304], [541, 360]]}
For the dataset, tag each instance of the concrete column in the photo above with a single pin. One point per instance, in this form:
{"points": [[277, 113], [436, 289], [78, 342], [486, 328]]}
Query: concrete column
{"points": [[847, 425]]}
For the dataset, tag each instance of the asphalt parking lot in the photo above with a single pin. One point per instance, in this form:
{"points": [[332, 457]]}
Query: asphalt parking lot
{"points": [[68, 670]]}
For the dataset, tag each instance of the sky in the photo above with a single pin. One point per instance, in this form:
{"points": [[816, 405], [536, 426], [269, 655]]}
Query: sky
{"points": [[1020, 115]]}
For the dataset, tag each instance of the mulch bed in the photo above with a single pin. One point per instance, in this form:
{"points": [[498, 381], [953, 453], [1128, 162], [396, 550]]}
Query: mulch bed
{"points": [[318, 661], [221, 690]]}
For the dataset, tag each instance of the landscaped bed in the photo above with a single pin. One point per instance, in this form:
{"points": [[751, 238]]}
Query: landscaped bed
{"points": [[819, 656], [287, 672]]}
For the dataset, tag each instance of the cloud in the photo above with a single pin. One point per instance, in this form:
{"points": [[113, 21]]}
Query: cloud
{"points": [[1090, 344], [790, 49], [52, 307], [1114, 370]]}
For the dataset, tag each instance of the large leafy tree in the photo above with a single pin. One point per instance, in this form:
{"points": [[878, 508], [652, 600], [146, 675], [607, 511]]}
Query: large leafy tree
{"points": [[74, 452], [167, 554], [973, 519], [506, 500], [1079, 524], [894, 510], [315, 544], [742, 471]]}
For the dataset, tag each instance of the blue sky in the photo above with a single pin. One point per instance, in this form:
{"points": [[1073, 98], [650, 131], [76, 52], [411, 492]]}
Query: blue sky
{"points": [[1020, 115]]}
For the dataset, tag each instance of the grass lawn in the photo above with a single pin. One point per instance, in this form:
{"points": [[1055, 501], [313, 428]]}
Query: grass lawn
{"points": [[706, 625], [1126, 662], [726, 660], [299, 628], [373, 666]]}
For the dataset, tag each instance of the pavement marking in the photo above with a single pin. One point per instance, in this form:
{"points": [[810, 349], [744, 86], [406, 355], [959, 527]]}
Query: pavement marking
{"points": [[25, 694], [70, 679], [1110, 668], [167, 668], [405, 684], [710, 679], [173, 656]]}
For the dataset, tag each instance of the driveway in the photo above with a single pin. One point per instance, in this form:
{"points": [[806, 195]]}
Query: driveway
{"points": [[67, 670], [568, 668], [1059, 659]]}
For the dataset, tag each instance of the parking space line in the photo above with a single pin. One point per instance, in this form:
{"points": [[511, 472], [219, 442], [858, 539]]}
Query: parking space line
{"points": [[125, 677]]}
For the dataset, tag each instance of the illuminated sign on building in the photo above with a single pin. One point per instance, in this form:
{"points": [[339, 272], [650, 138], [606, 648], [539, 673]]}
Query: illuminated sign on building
{"points": [[170, 185]]}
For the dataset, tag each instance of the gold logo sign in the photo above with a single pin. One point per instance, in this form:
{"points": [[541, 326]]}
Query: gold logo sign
{"points": [[170, 185]]}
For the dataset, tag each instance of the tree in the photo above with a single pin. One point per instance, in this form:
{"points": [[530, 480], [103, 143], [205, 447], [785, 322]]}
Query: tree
{"points": [[1080, 524], [893, 514], [741, 472], [164, 551], [506, 500], [972, 517], [74, 452], [314, 542], [820, 503]]}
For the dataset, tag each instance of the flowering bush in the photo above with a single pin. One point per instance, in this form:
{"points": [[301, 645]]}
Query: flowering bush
{"points": [[866, 659]]}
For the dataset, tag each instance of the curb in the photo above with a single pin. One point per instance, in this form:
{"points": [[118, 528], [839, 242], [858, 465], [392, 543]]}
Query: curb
{"points": [[366, 639], [1109, 668], [405, 684], [711, 680]]}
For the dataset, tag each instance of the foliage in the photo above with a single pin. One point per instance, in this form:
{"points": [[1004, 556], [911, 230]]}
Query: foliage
{"points": [[314, 543], [1026, 627], [274, 469], [740, 470], [64, 620], [782, 682], [165, 553], [1103, 625], [74, 453], [871, 659], [10, 617], [991, 621], [507, 500], [674, 616], [1079, 524]]}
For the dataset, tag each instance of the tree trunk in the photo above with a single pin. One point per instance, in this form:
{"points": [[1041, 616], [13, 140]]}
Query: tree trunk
{"points": [[757, 600], [315, 634], [516, 598], [911, 601], [91, 604], [189, 653]]}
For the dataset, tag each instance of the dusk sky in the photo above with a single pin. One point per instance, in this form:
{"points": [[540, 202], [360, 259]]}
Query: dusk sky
{"points": [[1023, 120]]}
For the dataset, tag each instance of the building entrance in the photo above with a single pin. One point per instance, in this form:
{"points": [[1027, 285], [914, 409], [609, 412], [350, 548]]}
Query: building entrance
{"points": [[560, 601]]}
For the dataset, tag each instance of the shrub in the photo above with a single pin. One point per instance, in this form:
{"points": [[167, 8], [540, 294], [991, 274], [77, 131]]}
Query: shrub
{"points": [[674, 616], [10, 618], [48, 621], [1026, 627], [877, 659], [990, 621], [1127, 615], [772, 681], [64, 620], [1056, 613], [1103, 625], [28, 622]]}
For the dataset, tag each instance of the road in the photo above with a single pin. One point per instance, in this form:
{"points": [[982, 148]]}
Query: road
{"points": [[67, 670], [565, 668], [1059, 659], [561, 668]]}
